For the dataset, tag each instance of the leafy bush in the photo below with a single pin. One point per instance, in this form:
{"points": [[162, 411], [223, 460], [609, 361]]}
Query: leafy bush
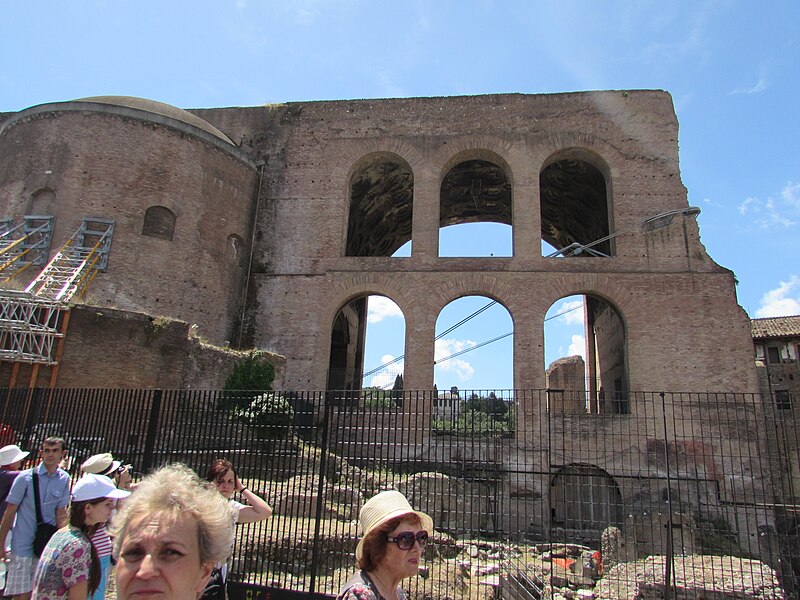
{"points": [[269, 414], [251, 376]]}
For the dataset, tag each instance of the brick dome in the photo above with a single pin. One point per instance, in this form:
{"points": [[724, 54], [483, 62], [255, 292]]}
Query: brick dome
{"points": [[158, 108]]}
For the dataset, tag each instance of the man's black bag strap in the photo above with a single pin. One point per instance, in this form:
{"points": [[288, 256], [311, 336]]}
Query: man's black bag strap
{"points": [[35, 476]]}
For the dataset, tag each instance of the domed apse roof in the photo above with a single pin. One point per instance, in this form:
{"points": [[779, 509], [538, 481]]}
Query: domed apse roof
{"points": [[159, 108]]}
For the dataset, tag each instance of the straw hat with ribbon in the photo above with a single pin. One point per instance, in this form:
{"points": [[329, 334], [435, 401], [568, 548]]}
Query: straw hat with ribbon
{"points": [[384, 507]]}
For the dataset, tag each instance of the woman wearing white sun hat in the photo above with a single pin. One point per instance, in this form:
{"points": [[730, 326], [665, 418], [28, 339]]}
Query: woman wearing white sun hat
{"points": [[390, 550], [105, 464], [11, 458]]}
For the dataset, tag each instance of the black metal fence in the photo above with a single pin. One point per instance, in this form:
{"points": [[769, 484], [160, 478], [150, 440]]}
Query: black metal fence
{"points": [[530, 493]]}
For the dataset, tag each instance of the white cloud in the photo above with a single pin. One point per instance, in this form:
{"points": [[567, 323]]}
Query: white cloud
{"points": [[791, 194], [571, 312], [386, 377], [782, 301], [577, 346], [783, 210], [457, 367], [759, 86], [380, 308]]}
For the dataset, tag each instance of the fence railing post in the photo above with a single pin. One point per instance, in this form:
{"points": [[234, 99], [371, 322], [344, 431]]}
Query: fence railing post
{"points": [[152, 430], [320, 490]]}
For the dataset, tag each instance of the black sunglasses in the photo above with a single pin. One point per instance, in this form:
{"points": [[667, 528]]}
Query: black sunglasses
{"points": [[405, 540]]}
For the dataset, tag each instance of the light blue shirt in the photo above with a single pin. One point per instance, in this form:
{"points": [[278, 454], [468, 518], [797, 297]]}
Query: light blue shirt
{"points": [[53, 494]]}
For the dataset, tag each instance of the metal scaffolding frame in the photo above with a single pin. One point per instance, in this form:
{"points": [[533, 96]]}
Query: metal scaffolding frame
{"points": [[33, 322], [24, 245]]}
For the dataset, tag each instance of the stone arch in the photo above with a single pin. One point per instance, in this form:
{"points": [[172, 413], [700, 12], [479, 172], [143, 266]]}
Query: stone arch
{"points": [[348, 329], [598, 383], [159, 222], [380, 205], [42, 202], [584, 497], [476, 187], [576, 203], [451, 342]]}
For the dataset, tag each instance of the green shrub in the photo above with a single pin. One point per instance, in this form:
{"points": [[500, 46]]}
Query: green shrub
{"points": [[249, 378], [269, 414]]}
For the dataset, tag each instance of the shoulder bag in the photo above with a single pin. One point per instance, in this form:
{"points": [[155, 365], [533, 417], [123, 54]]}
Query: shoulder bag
{"points": [[44, 531]]}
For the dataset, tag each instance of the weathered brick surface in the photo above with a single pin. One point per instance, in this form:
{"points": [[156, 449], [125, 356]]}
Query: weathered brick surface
{"points": [[113, 167], [109, 348], [684, 329]]}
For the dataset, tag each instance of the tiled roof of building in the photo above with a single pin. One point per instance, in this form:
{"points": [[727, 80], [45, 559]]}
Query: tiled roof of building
{"points": [[775, 327]]}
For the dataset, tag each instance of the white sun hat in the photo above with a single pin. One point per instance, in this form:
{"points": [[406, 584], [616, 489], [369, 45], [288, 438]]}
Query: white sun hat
{"points": [[384, 507], [100, 464], [92, 487], [11, 454]]}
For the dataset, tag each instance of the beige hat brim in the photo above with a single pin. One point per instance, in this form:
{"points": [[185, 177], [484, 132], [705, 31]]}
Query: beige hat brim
{"points": [[425, 520]]}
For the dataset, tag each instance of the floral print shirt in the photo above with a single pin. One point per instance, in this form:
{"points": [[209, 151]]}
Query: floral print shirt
{"points": [[360, 587], [65, 562]]}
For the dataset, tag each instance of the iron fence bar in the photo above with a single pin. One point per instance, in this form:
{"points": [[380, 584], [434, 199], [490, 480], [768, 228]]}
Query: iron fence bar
{"points": [[320, 492], [152, 428]]}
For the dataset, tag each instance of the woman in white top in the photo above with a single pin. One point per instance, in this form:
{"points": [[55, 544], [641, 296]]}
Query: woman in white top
{"points": [[227, 482]]}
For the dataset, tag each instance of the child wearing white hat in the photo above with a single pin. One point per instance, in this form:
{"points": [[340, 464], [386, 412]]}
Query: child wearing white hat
{"points": [[69, 566]]}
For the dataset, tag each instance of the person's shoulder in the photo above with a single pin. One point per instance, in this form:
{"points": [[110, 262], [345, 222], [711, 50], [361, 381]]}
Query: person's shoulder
{"points": [[357, 591], [357, 588], [23, 476]]}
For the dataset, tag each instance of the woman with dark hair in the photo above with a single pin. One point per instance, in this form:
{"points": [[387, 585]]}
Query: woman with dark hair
{"points": [[224, 477], [390, 550], [69, 568], [226, 480]]}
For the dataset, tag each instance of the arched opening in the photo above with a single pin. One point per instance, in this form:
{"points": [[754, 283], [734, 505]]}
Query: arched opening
{"points": [[475, 211], [381, 206], [367, 346], [159, 222], [584, 497], [585, 357], [42, 202], [474, 369], [575, 209]]}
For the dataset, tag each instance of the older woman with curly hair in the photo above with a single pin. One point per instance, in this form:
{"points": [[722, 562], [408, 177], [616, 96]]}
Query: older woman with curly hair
{"points": [[390, 550], [169, 535]]}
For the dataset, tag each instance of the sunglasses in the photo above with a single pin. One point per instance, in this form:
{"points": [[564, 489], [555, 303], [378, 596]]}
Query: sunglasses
{"points": [[405, 540]]}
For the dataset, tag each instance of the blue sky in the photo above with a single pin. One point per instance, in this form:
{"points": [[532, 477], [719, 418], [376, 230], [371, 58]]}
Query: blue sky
{"points": [[732, 67]]}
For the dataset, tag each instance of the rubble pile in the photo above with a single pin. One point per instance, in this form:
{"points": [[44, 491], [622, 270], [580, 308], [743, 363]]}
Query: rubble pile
{"points": [[696, 576]]}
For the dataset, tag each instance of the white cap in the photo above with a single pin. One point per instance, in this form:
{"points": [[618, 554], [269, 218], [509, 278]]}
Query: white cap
{"points": [[11, 454], [92, 487]]}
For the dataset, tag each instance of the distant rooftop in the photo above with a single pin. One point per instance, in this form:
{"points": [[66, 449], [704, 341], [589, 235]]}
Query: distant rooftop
{"points": [[775, 327]]}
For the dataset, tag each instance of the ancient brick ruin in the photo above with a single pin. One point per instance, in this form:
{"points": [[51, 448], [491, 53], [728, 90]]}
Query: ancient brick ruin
{"points": [[269, 226]]}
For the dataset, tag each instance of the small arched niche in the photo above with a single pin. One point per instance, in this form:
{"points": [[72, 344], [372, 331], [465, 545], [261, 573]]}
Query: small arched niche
{"points": [[381, 191], [42, 202], [159, 222], [234, 249], [475, 216], [584, 497], [575, 207], [585, 357]]}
